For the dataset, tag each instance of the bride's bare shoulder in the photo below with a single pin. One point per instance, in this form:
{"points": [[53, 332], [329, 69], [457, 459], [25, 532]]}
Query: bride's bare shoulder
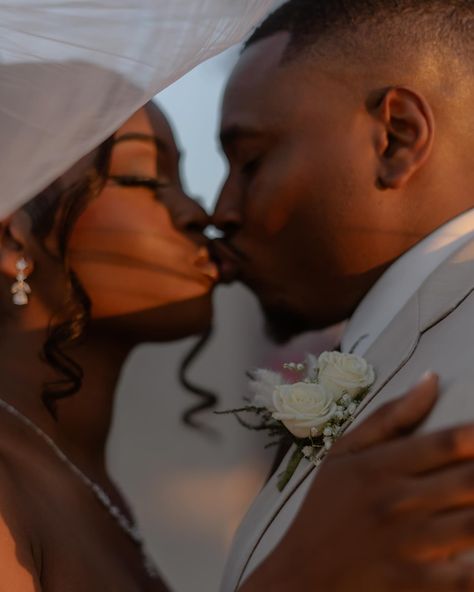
{"points": [[18, 549]]}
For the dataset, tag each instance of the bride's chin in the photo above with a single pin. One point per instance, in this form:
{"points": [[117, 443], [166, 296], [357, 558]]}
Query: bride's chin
{"points": [[169, 322], [185, 319]]}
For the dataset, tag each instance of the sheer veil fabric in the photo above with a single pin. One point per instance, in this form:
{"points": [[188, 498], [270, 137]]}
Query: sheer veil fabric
{"points": [[71, 71]]}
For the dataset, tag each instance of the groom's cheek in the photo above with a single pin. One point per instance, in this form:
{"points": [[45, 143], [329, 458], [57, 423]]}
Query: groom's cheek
{"points": [[276, 196]]}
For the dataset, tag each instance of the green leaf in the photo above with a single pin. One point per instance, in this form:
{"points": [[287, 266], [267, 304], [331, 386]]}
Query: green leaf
{"points": [[291, 467]]}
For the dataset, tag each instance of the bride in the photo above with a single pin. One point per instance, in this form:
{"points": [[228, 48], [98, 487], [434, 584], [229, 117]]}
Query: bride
{"points": [[107, 257]]}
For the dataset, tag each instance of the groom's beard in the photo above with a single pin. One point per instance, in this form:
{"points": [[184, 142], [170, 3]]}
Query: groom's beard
{"points": [[282, 324]]}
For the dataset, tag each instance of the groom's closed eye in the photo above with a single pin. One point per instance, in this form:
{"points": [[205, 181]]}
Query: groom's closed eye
{"points": [[251, 166], [240, 142], [246, 155]]}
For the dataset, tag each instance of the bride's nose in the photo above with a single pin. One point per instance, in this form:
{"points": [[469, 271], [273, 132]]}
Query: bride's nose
{"points": [[189, 216]]}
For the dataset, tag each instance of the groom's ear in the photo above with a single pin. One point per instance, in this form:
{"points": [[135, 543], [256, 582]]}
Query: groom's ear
{"points": [[13, 243], [404, 136]]}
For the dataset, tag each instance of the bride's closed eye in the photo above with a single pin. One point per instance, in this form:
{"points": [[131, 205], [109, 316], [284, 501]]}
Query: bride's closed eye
{"points": [[151, 183], [143, 160]]}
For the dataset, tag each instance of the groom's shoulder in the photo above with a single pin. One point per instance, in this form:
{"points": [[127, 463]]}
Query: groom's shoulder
{"points": [[437, 327], [442, 339], [447, 287]]}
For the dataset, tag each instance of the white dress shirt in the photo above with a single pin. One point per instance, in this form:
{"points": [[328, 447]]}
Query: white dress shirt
{"points": [[401, 280]]}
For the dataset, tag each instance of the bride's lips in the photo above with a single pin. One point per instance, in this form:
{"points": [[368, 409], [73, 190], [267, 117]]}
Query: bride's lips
{"points": [[207, 267], [227, 259]]}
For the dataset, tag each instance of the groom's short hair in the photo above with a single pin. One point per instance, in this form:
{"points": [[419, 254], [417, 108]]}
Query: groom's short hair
{"points": [[388, 26]]}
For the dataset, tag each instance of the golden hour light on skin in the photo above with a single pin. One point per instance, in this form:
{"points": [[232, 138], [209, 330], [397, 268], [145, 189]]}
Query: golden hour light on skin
{"points": [[127, 243]]}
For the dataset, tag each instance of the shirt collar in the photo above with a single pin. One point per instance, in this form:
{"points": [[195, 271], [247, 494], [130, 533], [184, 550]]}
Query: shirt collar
{"points": [[401, 280]]}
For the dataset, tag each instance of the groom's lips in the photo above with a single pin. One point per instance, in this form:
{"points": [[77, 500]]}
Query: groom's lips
{"points": [[228, 260]]}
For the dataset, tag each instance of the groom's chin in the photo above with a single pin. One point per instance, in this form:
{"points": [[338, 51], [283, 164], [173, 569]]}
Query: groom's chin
{"points": [[281, 324]]}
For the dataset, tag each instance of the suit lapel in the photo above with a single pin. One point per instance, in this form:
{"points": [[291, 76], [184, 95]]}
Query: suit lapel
{"points": [[257, 520], [438, 296], [393, 348], [387, 354], [447, 287]]}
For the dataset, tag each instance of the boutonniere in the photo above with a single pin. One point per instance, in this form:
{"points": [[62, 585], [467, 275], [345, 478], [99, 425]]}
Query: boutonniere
{"points": [[312, 410]]}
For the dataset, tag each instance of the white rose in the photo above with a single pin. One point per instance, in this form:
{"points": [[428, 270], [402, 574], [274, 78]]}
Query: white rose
{"points": [[303, 407], [344, 373], [262, 385]]}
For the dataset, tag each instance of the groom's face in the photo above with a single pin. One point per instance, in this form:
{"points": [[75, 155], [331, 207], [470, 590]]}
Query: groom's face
{"points": [[297, 205]]}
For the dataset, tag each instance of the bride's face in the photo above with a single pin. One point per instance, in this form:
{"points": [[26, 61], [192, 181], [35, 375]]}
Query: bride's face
{"points": [[138, 248]]}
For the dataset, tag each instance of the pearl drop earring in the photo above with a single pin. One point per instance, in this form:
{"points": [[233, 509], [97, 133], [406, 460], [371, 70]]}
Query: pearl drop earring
{"points": [[21, 288]]}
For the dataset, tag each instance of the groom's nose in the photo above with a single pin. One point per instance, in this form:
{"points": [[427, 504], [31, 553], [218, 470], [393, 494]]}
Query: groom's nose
{"points": [[227, 214]]}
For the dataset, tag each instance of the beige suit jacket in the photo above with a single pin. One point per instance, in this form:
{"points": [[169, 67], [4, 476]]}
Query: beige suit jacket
{"points": [[434, 330]]}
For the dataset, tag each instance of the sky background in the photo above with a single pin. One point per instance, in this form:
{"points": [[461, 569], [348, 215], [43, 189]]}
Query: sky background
{"points": [[193, 106]]}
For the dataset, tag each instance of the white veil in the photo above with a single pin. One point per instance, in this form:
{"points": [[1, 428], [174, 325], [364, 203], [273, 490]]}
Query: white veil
{"points": [[71, 71]]}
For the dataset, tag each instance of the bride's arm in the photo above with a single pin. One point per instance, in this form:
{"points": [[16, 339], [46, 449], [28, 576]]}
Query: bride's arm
{"points": [[18, 569]]}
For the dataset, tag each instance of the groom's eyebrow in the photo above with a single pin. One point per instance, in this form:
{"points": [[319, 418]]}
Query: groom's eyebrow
{"points": [[237, 132]]}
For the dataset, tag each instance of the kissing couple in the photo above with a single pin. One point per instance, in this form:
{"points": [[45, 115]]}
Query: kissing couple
{"points": [[348, 130]]}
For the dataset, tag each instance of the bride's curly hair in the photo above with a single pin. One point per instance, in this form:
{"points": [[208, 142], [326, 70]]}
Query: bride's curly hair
{"points": [[57, 209]]}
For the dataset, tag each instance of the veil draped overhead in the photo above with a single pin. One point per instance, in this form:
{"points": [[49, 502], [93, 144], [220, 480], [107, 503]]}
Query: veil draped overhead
{"points": [[72, 71]]}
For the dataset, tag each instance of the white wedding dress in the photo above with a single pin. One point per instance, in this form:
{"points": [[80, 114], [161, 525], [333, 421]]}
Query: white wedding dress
{"points": [[71, 71]]}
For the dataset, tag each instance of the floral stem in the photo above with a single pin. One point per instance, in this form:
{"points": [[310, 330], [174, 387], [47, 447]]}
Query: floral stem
{"points": [[290, 469]]}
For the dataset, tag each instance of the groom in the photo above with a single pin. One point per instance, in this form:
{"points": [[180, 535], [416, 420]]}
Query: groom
{"points": [[349, 130]]}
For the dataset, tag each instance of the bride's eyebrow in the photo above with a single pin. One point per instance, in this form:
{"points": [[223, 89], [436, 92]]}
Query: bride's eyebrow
{"points": [[140, 137]]}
